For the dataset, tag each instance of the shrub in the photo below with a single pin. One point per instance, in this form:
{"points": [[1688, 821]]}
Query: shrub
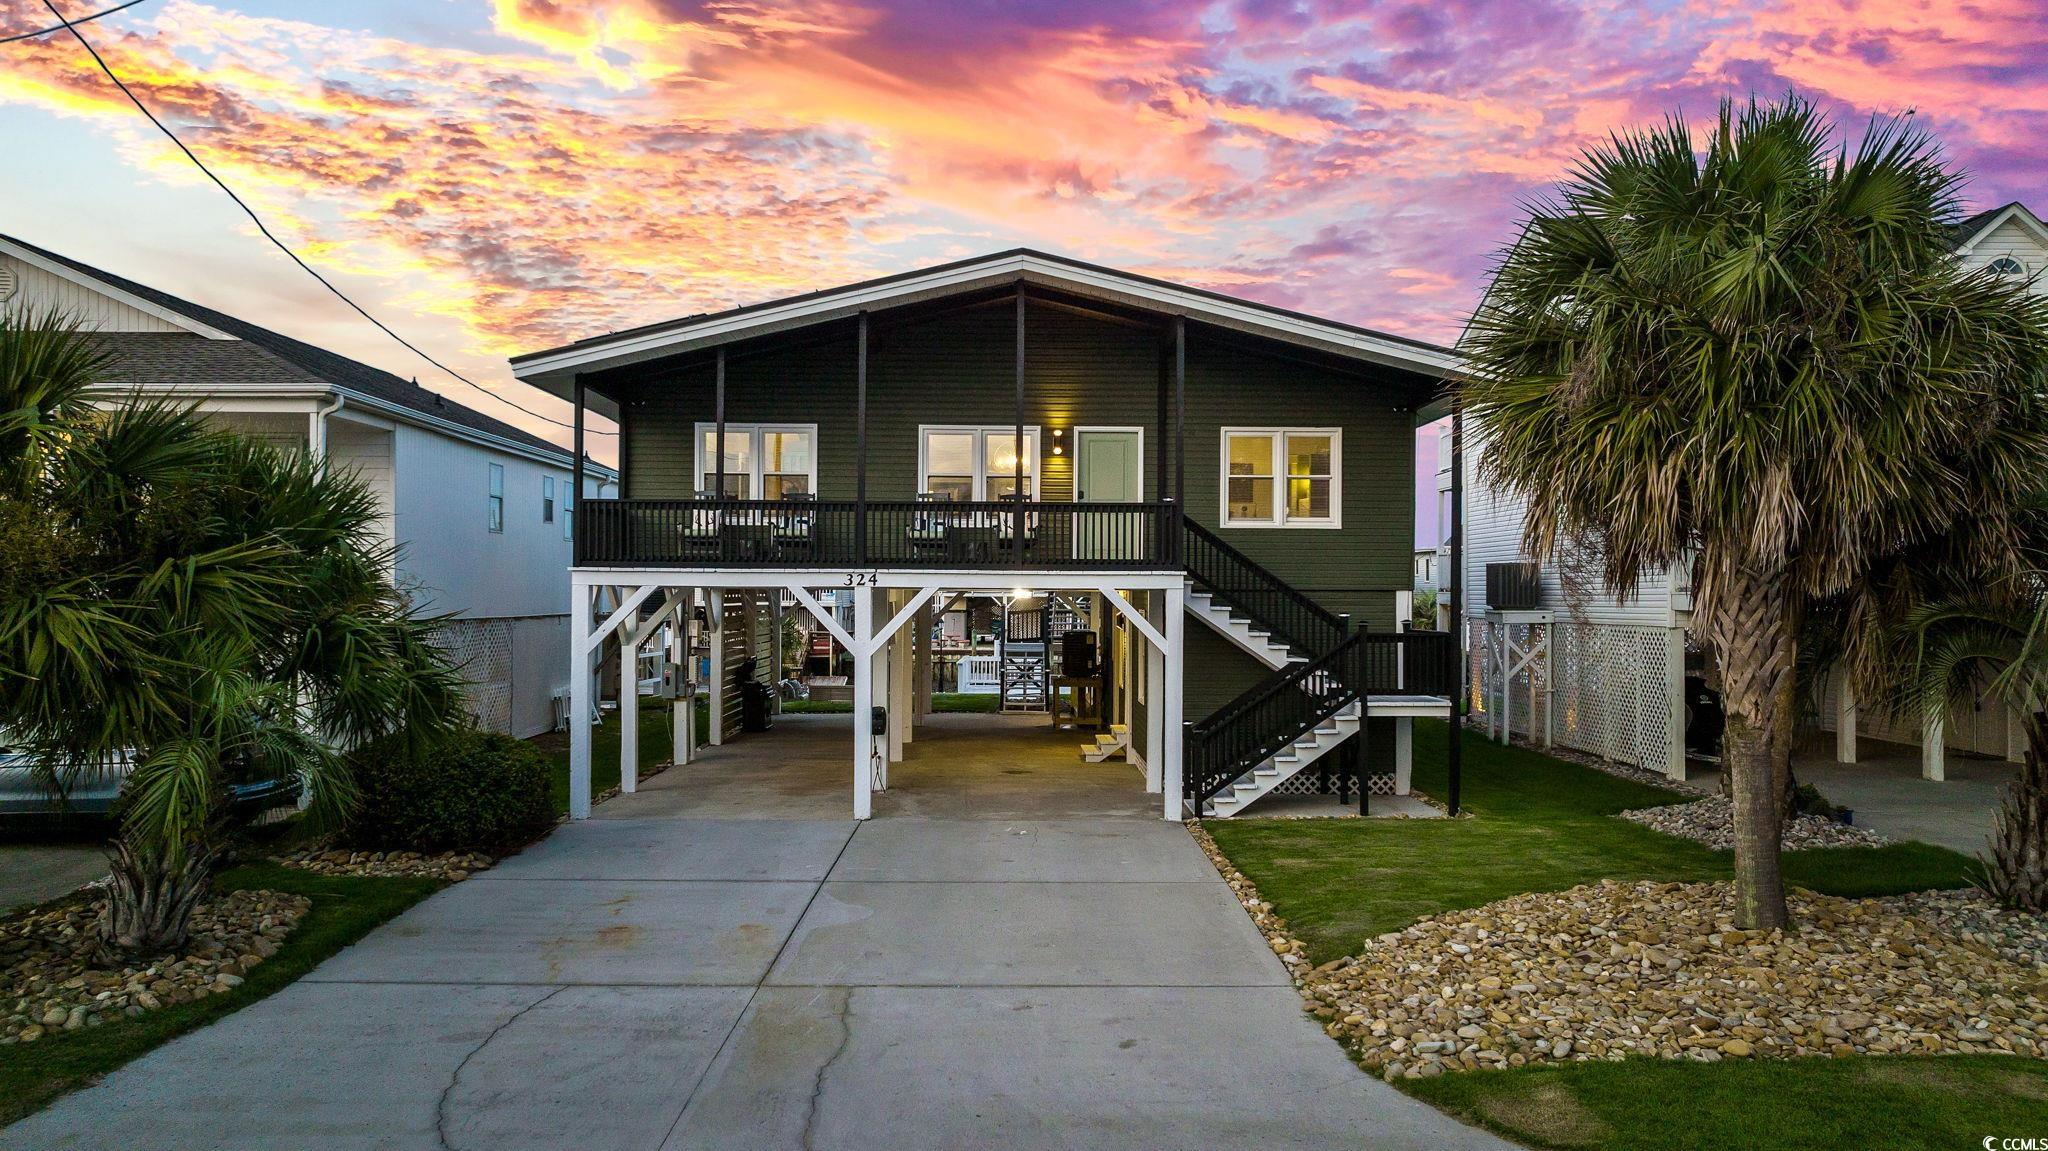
{"points": [[473, 791]]}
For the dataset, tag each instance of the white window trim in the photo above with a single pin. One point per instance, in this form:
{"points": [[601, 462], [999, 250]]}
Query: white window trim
{"points": [[1279, 517], [756, 457], [1074, 454], [547, 499], [1033, 449], [494, 501]]}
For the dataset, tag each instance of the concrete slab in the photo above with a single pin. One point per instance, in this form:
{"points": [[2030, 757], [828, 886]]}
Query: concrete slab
{"points": [[1326, 807], [32, 873], [1052, 934], [681, 849], [1061, 851], [1890, 797], [802, 769], [333, 1067], [626, 933], [1073, 1068], [409, 1066]]}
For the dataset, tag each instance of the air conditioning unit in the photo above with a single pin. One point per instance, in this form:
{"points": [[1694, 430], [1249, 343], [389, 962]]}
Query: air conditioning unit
{"points": [[1514, 586]]}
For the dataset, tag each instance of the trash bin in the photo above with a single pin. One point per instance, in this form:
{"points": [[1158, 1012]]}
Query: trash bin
{"points": [[757, 699]]}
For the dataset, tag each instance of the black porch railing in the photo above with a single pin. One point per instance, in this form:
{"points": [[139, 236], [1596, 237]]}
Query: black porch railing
{"points": [[1243, 733], [928, 534], [1274, 604]]}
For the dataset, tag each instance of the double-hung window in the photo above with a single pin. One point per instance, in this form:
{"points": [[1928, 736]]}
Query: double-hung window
{"points": [[762, 461], [569, 510], [1282, 477], [547, 499], [497, 513], [976, 463]]}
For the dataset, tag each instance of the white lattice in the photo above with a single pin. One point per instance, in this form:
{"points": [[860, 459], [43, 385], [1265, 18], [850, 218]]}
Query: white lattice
{"points": [[482, 650], [1611, 692]]}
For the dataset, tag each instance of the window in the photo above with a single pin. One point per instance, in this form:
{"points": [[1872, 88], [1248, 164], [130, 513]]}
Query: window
{"points": [[2007, 266], [762, 461], [547, 499], [969, 463], [568, 512], [497, 520], [1282, 477]]}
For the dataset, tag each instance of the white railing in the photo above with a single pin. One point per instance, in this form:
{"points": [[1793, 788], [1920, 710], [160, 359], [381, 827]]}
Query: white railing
{"points": [[979, 675]]}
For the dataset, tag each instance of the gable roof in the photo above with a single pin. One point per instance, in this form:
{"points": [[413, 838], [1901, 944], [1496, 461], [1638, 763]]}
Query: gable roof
{"points": [[1969, 230], [217, 348], [555, 370]]}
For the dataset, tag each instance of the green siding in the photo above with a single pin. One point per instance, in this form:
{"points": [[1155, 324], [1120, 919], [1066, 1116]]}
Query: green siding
{"points": [[959, 368]]}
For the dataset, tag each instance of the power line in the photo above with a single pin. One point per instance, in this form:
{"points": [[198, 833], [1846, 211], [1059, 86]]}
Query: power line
{"points": [[72, 26], [61, 27]]}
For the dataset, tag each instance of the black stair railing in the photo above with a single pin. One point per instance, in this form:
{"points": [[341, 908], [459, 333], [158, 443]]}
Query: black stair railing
{"points": [[1272, 715], [1269, 601]]}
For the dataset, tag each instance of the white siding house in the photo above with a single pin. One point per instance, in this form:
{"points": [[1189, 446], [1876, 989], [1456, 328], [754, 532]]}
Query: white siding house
{"points": [[1603, 674], [479, 511]]}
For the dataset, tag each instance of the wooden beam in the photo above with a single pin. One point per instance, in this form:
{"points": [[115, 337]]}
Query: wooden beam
{"points": [[626, 608], [1130, 612], [824, 616], [718, 441]]}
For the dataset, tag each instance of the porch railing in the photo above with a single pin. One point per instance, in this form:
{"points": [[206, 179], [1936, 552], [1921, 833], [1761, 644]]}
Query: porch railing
{"points": [[880, 534], [1274, 604]]}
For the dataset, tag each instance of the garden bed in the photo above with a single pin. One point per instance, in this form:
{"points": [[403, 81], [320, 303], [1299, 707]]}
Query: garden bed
{"points": [[52, 981], [1712, 821]]}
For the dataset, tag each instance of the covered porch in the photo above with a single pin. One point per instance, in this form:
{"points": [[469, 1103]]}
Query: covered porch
{"points": [[1138, 617]]}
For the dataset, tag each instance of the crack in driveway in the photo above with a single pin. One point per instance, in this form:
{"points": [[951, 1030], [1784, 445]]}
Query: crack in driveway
{"points": [[845, 1018], [455, 1077]]}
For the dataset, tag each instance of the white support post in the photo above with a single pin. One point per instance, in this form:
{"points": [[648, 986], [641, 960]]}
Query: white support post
{"points": [[1674, 701], [1933, 751], [580, 700], [922, 670], [715, 611], [775, 651], [863, 706], [1170, 693], [1507, 685], [1404, 753], [1845, 721], [889, 657], [904, 663], [629, 709], [1155, 711]]}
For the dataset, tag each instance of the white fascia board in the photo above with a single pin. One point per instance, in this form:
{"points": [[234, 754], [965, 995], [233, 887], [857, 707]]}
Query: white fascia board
{"points": [[1100, 284], [92, 283], [966, 582], [2020, 212]]}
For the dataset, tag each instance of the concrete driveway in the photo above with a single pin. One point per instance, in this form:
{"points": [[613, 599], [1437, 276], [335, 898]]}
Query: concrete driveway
{"points": [[727, 981]]}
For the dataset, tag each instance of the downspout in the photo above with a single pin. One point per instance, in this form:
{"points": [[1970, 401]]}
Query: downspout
{"points": [[317, 447]]}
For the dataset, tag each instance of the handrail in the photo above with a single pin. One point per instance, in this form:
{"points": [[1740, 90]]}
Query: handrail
{"points": [[1294, 701], [1270, 602]]}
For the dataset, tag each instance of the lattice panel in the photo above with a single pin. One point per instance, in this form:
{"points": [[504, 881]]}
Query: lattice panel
{"points": [[1303, 782], [482, 651], [1612, 682]]}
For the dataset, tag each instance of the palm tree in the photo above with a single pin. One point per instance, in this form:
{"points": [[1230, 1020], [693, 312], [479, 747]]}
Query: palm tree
{"points": [[217, 610], [1754, 354], [1994, 643]]}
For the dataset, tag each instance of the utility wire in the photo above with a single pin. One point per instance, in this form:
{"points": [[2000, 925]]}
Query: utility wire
{"points": [[61, 27], [280, 244]]}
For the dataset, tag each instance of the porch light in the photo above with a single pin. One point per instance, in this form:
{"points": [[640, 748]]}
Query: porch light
{"points": [[1058, 448]]}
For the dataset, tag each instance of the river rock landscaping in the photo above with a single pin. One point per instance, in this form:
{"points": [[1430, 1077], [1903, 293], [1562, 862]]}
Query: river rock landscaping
{"points": [[454, 866], [1613, 969], [1712, 821], [51, 983]]}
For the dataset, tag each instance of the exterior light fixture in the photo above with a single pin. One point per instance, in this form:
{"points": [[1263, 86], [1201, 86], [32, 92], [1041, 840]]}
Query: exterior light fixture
{"points": [[1058, 448]]}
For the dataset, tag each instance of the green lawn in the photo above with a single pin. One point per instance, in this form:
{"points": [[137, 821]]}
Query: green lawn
{"points": [[1539, 824], [655, 745], [1877, 1102], [950, 701], [343, 911]]}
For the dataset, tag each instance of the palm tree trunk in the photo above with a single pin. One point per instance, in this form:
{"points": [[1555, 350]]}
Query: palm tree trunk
{"points": [[1747, 621], [2015, 871], [151, 896]]}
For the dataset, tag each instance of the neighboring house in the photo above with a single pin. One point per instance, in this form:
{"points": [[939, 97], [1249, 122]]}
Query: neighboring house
{"points": [[1425, 569], [1562, 659], [1186, 456], [480, 510]]}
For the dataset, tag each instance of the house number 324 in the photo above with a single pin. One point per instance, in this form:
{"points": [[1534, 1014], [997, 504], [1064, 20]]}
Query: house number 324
{"points": [[862, 579]]}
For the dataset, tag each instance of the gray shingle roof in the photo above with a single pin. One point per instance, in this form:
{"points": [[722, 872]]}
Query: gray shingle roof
{"points": [[264, 356]]}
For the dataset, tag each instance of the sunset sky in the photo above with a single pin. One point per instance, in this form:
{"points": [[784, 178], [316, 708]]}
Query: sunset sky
{"points": [[498, 177]]}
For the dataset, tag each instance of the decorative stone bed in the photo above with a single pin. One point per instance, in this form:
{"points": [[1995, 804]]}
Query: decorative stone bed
{"points": [[48, 983], [1616, 969], [1712, 821], [453, 866]]}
